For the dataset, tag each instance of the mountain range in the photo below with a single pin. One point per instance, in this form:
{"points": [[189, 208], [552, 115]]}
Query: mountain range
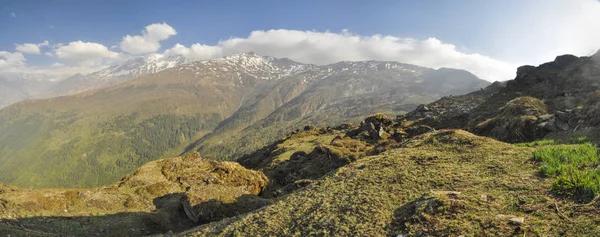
{"points": [[224, 108], [15, 87]]}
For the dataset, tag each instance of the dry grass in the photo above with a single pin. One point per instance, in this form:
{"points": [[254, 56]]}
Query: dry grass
{"points": [[147, 200], [390, 194]]}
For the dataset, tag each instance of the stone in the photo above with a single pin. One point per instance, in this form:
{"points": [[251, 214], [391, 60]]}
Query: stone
{"points": [[504, 217], [517, 220], [514, 220], [562, 125], [545, 117], [447, 193], [422, 108], [187, 208], [484, 197]]}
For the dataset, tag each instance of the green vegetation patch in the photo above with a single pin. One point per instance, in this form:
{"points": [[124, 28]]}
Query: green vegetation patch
{"points": [[575, 168]]}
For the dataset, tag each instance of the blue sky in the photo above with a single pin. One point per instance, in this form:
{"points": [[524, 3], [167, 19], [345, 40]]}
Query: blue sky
{"points": [[508, 33]]}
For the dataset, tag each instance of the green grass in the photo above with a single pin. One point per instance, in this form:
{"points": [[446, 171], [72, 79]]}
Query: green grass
{"points": [[537, 143], [575, 168], [547, 142], [578, 140]]}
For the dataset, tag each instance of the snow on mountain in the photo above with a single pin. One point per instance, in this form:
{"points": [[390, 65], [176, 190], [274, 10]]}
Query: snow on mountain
{"points": [[141, 66], [116, 74], [247, 64]]}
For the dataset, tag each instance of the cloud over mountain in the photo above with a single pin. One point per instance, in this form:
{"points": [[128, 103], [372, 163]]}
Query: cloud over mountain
{"points": [[84, 53], [149, 40], [329, 47]]}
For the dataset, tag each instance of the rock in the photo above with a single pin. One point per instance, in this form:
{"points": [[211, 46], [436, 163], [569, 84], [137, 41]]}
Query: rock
{"points": [[545, 117], [523, 70], [564, 60], [399, 135], [564, 116], [484, 197], [422, 108], [418, 130], [514, 220], [504, 217], [562, 125], [447, 193], [187, 208], [309, 128], [542, 125], [379, 120], [517, 220]]}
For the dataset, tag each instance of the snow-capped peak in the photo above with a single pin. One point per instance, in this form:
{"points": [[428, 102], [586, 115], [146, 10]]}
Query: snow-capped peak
{"points": [[261, 67], [140, 66]]}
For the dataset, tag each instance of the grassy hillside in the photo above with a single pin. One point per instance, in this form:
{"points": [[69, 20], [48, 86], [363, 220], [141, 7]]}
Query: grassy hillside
{"points": [[445, 183], [94, 138]]}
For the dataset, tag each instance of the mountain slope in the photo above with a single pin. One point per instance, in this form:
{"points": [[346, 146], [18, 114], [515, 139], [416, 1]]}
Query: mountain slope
{"points": [[95, 137], [15, 88], [344, 92]]}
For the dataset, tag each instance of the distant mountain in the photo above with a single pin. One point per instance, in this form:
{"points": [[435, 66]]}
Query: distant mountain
{"points": [[18, 87], [228, 106], [115, 74], [328, 95]]}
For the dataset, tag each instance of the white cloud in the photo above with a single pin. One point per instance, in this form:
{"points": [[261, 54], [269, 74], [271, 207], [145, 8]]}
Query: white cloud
{"points": [[85, 53], [328, 47], [49, 54], [149, 40], [57, 65], [11, 60], [31, 48], [13, 15], [196, 51], [539, 30]]}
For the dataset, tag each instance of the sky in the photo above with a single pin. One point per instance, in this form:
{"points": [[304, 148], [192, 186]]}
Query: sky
{"points": [[58, 38]]}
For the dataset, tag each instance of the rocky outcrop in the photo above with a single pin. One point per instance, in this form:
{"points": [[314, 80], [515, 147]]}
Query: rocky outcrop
{"points": [[517, 121], [155, 195]]}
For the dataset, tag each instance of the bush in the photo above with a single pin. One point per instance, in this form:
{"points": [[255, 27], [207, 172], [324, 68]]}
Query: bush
{"points": [[575, 168]]}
